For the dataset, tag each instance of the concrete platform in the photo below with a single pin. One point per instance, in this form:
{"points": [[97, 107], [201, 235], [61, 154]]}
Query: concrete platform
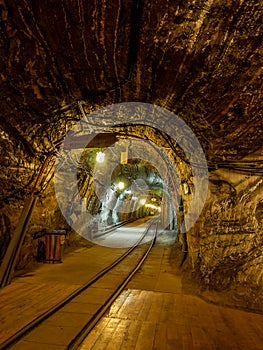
{"points": [[152, 313]]}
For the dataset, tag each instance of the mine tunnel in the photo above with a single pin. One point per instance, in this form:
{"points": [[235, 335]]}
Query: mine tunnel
{"points": [[131, 128]]}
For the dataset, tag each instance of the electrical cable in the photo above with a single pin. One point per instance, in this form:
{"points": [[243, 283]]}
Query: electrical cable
{"points": [[246, 167], [136, 14], [249, 165]]}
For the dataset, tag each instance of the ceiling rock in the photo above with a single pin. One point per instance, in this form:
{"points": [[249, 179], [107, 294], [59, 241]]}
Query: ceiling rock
{"points": [[200, 59]]}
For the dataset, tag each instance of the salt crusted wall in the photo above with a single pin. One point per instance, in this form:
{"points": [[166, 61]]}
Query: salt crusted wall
{"points": [[226, 243], [22, 155], [201, 59]]}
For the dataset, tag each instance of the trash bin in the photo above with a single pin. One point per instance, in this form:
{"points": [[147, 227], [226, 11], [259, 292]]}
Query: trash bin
{"points": [[54, 242]]}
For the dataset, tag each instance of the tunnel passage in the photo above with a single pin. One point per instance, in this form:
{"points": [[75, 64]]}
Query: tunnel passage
{"points": [[121, 182], [202, 60], [136, 165], [183, 168], [178, 167]]}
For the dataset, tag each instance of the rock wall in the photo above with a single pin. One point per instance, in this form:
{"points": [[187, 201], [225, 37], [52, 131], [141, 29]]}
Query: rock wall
{"points": [[225, 246]]}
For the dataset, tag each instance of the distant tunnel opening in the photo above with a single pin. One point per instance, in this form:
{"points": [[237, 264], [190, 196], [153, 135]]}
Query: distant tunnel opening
{"points": [[122, 182]]}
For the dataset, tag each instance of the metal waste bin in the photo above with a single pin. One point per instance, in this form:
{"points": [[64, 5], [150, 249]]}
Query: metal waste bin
{"points": [[54, 243]]}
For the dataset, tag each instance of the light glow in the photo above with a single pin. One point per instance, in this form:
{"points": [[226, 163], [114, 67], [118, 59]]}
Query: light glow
{"points": [[149, 205], [121, 185], [100, 157]]}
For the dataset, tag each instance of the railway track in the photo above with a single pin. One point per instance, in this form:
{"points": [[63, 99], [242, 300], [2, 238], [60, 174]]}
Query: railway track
{"points": [[66, 324]]}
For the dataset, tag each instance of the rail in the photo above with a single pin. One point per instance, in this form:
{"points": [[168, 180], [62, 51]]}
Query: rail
{"points": [[79, 337], [75, 343]]}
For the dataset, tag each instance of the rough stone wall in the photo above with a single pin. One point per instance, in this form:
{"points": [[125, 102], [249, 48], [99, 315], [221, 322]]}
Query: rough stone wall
{"points": [[18, 172], [22, 153], [200, 59], [46, 215], [226, 243]]}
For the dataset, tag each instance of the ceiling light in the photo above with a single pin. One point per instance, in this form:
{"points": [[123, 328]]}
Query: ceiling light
{"points": [[186, 188], [100, 157], [121, 185]]}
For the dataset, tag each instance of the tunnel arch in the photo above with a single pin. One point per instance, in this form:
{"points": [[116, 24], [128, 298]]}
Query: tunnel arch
{"points": [[142, 115]]}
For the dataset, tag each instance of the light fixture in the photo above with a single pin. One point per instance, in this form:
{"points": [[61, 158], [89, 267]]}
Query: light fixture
{"points": [[149, 205], [186, 188], [124, 158], [100, 157], [121, 185], [124, 155]]}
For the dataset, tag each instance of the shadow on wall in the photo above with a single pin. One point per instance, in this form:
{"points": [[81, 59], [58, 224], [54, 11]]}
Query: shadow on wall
{"points": [[5, 234]]}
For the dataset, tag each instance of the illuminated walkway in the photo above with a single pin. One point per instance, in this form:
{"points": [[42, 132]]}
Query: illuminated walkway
{"points": [[125, 236], [152, 313]]}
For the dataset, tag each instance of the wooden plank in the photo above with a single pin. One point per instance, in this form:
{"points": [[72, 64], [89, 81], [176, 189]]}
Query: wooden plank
{"points": [[93, 140], [130, 340], [146, 336], [119, 335], [160, 337], [105, 337], [9, 261], [91, 340]]}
